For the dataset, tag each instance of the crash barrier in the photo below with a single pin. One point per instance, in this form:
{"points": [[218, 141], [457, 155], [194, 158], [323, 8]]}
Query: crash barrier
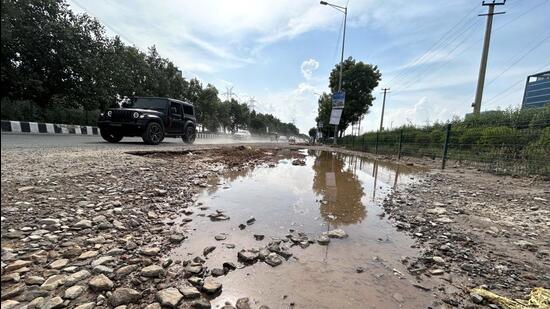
{"points": [[519, 149], [47, 128], [52, 128]]}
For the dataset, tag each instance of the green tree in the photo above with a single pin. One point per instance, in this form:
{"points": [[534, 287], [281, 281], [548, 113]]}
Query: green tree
{"points": [[358, 81]]}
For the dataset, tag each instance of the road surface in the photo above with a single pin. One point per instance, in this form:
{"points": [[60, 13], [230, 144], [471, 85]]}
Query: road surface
{"points": [[33, 141]]}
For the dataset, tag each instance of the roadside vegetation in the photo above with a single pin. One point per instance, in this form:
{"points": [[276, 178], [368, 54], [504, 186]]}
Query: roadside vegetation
{"points": [[510, 141], [58, 66]]}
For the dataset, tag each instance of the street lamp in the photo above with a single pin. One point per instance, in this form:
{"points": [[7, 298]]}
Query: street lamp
{"points": [[343, 9]]}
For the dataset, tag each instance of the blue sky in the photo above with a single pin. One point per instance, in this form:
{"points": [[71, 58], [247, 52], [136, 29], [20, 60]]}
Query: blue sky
{"points": [[281, 52]]}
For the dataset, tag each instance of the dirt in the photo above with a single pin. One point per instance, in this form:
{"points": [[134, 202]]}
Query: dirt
{"points": [[465, 228]]}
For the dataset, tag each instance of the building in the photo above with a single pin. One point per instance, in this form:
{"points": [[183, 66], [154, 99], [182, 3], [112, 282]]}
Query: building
{"points": [[537, 90]]}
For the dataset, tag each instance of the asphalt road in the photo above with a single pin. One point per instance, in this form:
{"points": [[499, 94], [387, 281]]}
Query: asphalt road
{"points": [[33, 141]]}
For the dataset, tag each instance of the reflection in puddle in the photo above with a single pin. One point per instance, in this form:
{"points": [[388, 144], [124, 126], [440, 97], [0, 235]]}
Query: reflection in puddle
{"points": [[330, 191]]}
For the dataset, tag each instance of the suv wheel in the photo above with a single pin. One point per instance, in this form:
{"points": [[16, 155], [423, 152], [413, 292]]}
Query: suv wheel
{"points": [[189, 137], [110, 136], [153, 134]]}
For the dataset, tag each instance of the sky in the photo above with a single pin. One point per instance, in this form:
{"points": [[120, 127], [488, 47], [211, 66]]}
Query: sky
{"points": [[280, 53]]}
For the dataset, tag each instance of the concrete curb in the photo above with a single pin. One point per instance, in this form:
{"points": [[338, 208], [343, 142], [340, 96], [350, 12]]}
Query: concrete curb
{"points": [[26, 127], [47, 128]]}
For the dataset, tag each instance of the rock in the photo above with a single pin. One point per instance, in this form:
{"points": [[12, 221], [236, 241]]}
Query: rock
{"points": [[398, 297], [13, 290], [189, 292], [52, 303], [177, 238], [9, 304], [437, 271], [242, 226], [360, 269], [438, 260], [247, 256], [83, 224], [201, 304], [217, 272], [53, 282], [90, 305], [243, 303], [153, 306], [15, 277], [36, 303], [101, 283], [124, 296], [210, 286], [74, 291], [58, 264], [220, 237], [78, 276], [273, 259], [50, 221], [169, 297], [437, 211], [150, 251], [88, 254], [337, 233], [259, 237], [16, 264], [103, 260], [34, 280], [251, 221], [523, 244], [125, 270], [208, 250], [323, 240], [152, 271], [476, 298], [102, 269]]}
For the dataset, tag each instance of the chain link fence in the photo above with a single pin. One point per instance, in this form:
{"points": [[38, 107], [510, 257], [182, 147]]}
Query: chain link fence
{"points": [[521, 149]]}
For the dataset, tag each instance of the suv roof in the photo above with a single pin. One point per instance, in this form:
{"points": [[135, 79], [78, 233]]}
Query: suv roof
{"points": [[165, 98]]}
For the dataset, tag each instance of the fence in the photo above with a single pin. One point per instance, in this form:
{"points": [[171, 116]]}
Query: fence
{"points": [[520, 150]]}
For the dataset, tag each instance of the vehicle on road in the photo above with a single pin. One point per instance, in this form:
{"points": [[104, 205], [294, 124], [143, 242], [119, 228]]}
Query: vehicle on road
{"points": [[152, 118], [242, 134]]}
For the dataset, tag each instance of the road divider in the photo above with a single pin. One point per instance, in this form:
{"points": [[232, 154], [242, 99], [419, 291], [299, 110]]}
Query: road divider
{"points": [[47, 128]]}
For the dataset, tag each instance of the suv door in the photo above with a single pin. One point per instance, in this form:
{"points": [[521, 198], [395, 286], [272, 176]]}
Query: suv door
{"points": [[176, 119]]}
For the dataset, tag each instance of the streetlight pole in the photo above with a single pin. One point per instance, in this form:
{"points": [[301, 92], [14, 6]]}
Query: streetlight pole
{"points": [[343, 9]]}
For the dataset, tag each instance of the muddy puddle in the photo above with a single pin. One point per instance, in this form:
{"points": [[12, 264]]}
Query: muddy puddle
{"points": [[330, 191]]}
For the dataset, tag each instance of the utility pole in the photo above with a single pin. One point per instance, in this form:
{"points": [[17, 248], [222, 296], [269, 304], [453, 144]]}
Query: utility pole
{"points": [[485, 53], [385, 90]]}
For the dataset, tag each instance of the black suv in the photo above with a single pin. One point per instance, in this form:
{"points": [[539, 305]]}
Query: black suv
{"points": [[151, 118]]}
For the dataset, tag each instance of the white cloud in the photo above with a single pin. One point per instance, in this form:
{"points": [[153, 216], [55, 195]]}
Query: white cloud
{"points": [[308, 67]]}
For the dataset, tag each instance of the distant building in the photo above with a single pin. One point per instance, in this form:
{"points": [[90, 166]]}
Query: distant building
{"points": [[537, 90]]}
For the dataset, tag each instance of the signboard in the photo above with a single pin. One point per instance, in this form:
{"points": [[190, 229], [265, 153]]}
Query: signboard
{"points": [[335, 116], [338, 99]]}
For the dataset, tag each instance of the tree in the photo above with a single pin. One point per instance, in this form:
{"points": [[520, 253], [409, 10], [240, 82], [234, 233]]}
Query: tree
{"points": [[358, 81]]}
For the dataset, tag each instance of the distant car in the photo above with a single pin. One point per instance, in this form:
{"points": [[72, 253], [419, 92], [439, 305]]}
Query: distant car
{"points": [[242, 134], [152, 118]]}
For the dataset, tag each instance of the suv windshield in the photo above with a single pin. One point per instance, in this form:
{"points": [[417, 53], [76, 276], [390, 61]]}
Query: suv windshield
{"points": [[148, 103]]}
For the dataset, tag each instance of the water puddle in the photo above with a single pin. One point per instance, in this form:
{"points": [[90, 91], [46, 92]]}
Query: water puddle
{"points": [[330, 191]]}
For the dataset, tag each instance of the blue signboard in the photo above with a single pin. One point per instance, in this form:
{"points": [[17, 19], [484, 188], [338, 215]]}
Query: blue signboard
{"points": [[338, 99]]}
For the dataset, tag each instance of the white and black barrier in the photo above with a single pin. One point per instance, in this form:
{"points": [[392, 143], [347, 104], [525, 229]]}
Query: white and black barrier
{"points": [[47, 128]]}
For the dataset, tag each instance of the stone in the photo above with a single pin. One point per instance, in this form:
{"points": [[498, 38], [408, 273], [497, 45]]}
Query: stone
{"points": [[83, 224], [88, 254], [177, 238], [52, 303], [153, 306], [438, 260], [189, 292], [58, 264], [169, 297], [437, 271], [34, 280], [201, 304], [273, 259], [437, 211], [16, 264], [216, 272], [220, 237], [78, 276], [9, 304], [259, 237], [210, 286], [103, 260], [13, 290], [102, 269], [360, 269], [124, 296], [208, 250], [247, 256], [243, 303], [152, 271], [150, 251], [125, 270], [36, 303], [15, 277], [101, 283], [53, 282], [50, 221], [90, 305], [323, 240], [476, 298], [74, 291], [337, 233]]}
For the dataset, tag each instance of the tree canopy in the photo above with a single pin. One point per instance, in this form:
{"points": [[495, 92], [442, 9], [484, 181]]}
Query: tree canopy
{"points": [[358, 81], [55, 58]]}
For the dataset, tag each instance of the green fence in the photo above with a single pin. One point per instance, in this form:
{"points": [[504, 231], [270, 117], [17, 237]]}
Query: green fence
{"points": [[520, 150]]}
